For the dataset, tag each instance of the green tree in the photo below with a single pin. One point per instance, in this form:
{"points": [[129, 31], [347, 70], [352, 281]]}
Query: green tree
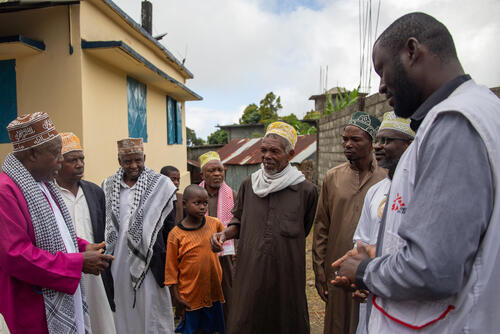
{"points": [[217, 137], [250, 115], [269, 107], [302, 128], [267, 112], [192, 140]]}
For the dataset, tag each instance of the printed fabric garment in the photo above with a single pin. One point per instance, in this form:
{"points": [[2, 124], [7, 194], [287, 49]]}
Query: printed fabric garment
{"points": [[149, 308], [192, 265], [339, 208], [269, 283], [135, 217], [25, 268], [70, 248], [146, 211]]}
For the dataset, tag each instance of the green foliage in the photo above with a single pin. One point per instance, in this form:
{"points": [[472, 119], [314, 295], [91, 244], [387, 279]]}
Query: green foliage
{"points": [[302, 128], [313, 114], [342, 100], [192, 140], [268, 108], [217, 137], [267, 112], [329, 107], [250, 115]]}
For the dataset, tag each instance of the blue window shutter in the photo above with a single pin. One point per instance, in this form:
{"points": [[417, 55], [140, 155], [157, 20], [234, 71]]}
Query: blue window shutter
{"points": [[179, 122], [136, 103], [8, 97], [171, 127]]}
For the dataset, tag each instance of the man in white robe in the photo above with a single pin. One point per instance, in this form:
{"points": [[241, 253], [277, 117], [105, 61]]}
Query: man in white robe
{"points": [[393, 137], [139, 203]]}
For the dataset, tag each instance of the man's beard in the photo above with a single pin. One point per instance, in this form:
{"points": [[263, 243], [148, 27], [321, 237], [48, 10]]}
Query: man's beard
{"points": [[271, 171], [407, 96], [389, 164]]}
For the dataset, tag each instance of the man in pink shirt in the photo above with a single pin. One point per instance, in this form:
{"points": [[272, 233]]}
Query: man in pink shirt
{"points": [[41, 259]]}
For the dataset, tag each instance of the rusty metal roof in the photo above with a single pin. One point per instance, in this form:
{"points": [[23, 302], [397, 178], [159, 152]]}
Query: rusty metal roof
{"points": [[247, 151]]}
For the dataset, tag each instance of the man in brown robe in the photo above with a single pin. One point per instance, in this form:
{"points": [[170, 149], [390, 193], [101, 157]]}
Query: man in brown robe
{"points": [[339, 208], [220, 196], [273, 214]]}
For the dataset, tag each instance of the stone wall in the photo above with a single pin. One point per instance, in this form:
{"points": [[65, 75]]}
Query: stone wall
{"points": [[331, 127]]}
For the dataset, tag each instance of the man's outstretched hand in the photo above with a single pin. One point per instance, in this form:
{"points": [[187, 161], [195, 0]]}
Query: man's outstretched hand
{"points": [[347, 265], [216, 241], [94, 261]]}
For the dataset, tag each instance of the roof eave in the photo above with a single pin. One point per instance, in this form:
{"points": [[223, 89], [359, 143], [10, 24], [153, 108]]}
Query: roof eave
{"points": [[143, 72], [130, 21]]}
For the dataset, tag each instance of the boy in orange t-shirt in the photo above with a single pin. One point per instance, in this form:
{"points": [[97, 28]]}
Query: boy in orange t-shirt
{"points": [[192, 270]]}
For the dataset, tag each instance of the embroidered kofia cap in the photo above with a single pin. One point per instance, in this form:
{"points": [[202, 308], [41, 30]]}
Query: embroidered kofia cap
{"points": [[130, 146], [393, 122], [31, 130], [209, 156], [365, 122], [284, 130], [70, 143]]}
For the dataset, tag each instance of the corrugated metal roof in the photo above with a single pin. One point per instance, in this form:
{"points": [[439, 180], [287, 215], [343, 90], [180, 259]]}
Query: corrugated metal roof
{"points": [[247, 151], [193, 163]]}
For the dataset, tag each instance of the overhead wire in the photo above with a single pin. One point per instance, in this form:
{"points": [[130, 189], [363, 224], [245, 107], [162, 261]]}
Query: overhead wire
{"points": [[368, 29]]}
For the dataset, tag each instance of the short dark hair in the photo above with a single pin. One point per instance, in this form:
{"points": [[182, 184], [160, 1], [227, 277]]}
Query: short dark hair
{"points": [[168, 169], [191, 190], [426, 29]]}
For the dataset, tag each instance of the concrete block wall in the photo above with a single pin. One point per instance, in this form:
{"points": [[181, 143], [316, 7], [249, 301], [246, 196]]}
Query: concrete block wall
{"points": [[331, 128]]}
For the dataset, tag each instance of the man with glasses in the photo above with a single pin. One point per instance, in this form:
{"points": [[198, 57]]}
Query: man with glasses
{"points": [[393, 138], [436, 268]]}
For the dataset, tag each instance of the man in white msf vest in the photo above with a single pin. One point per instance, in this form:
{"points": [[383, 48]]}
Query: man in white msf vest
{"points": [[436, 267]]}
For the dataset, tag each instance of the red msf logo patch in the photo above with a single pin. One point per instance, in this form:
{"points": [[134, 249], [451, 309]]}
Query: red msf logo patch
{"points": [[398, 205]]}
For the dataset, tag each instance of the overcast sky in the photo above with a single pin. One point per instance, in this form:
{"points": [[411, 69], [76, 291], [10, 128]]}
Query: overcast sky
{"points": [[239, 50]]}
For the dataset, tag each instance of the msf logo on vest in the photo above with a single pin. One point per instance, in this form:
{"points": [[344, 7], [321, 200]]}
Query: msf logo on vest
{"points": [[398, 205]]}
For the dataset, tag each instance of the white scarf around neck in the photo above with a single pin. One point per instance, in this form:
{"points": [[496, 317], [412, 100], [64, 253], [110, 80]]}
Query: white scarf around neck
{"points": [[264, 184]]}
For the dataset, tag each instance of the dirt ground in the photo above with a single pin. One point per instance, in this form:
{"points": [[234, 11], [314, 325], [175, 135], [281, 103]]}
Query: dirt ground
{"points": [[314, 302]]}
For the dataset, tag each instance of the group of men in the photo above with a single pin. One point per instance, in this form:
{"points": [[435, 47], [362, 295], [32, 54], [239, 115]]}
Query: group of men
{"points": [[411, 229], [45, 204], [426, 253]]}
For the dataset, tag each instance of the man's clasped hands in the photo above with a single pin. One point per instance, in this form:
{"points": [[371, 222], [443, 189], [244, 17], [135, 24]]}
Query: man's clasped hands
{"points": [[345, 269]]}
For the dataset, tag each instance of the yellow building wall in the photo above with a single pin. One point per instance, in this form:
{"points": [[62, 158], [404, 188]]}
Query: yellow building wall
{"points": [[84, 95], [50, 81], [103, 24], [158, 152], [105, 120]]}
